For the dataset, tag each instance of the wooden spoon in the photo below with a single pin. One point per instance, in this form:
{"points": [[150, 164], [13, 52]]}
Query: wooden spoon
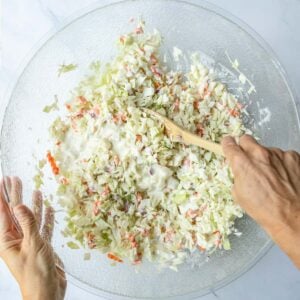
{"points": [[183, 136]]}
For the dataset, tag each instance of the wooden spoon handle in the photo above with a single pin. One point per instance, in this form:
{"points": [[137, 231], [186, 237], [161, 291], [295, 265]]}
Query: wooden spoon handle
{"points": [[190, 138], [186, 137]]}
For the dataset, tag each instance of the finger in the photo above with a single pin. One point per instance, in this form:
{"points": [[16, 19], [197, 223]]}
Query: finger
{"points": [[248, 143], [26, 221], [6, 221], [47, 230], [37, 207], [5, 188], [278, 152], [232, 152], [230, 147], [60, 265], [63, 281], [16, 191]]}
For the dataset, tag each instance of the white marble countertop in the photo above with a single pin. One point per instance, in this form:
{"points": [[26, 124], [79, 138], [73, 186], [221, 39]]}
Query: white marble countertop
{"points": [[277, 21]]}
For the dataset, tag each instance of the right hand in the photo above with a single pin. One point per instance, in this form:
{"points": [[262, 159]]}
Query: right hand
{"points": [[267, 187]]}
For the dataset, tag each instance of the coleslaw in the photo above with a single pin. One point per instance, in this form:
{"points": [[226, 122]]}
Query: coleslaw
{"points": [[128, 189]]}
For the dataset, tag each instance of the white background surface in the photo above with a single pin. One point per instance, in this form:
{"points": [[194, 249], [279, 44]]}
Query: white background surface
{"points": [[24, 22]]}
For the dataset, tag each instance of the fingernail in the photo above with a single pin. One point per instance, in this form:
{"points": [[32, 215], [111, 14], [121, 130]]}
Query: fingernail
{"points": [[237, 139]]}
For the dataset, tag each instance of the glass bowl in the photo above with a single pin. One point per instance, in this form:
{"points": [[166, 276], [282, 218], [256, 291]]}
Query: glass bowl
{"points": [[92, 36]]}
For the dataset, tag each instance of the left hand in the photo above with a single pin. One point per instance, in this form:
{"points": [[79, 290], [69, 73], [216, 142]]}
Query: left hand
{"points": [[28, 254]]}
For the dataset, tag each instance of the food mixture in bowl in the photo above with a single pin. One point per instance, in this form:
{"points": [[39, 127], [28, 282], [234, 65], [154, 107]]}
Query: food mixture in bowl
{"points": [[128, 189]]}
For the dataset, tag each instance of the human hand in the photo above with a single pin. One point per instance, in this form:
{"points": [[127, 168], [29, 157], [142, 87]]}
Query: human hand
{"points": [[267, 187], [28, 254]]}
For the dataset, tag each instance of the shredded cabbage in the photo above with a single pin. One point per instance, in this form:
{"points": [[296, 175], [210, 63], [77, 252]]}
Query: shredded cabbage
{"points": [[128, 189]]}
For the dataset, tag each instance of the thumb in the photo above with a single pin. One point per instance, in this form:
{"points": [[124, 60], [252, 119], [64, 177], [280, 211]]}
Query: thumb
{"points": [[233, 152], [26, 221]]}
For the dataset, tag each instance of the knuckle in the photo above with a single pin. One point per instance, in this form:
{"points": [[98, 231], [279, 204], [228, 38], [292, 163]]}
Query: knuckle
{"points": [[292, 154], [262, 153], [277, 151], [244, 139]]}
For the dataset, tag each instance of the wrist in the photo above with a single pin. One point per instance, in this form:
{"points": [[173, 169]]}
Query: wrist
{"points": [[283, 219], [39, 296], [287, 236], [36, 296], [39, 293]]}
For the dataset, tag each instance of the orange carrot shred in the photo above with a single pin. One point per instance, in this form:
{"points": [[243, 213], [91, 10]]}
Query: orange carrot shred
{"points": [[196, 104], [138, 138], [52, 162], [114, 257]]}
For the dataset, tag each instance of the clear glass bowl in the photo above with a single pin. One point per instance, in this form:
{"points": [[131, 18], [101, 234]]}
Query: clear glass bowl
{"points": [[92, 36]]}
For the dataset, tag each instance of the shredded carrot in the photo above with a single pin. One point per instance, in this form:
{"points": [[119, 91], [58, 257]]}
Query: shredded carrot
{"points": [[143, 50], [176, 105], [153, 59], [116, 160], [155, 71], [115, 119], [169, 235], [122, 39], [187, 162], [139, 30], [119, 117], [157, 85], [206, 93], [138, 138], [106, 190], [193, 213], [234, 112], [199, 129], [201, 248], [52, 162], [196, 104], [81, 99], [123, 118], [114, 257], [205, 89], [96, 110], [139, 196], [146, 233], [138, 259], [240, 105], [218, 242], [63, 180], [89, 191], [91, 240], [133, 242], [96, 207]]}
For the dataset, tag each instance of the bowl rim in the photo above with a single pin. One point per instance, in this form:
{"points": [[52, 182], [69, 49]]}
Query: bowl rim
{"points": [[200, 4]]}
